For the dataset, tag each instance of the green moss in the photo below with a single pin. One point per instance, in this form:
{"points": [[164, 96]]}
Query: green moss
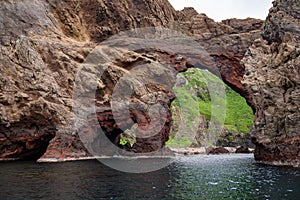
{"points": [[187, 103], [231, 128], [239, 113], [196, 97], [179, 142]]}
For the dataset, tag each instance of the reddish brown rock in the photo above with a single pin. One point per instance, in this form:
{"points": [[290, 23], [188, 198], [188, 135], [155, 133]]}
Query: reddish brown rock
{"points": [[117, 118], [242, 150], [24, 144], [232, 72], [282, 152], [65, 146], [218, 150]]}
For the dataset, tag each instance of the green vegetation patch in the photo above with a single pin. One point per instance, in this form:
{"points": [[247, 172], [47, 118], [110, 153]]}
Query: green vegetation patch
{"points": [[179, 142], [127, 138], [202, 94]]}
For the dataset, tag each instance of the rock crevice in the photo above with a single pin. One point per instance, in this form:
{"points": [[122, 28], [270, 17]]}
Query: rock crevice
{"points": [[272, 79]]}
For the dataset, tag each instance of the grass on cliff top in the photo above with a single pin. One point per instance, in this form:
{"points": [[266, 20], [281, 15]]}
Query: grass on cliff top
{"points": [[194, 97]]}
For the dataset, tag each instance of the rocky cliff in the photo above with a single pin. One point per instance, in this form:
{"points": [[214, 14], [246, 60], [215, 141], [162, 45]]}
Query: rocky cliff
{"points": [[226, 42], [272, 78], [43, 43]]}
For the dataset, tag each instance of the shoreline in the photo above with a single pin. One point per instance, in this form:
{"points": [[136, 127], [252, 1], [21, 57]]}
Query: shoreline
{"points": [[194, 152], [55, 160], [177, 151], [202, 150]]}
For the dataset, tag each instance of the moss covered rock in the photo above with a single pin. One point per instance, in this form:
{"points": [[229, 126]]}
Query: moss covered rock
{"points": [[196, 110]]}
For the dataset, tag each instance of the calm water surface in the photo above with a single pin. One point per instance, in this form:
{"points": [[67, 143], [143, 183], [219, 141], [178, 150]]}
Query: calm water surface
{"points": [[196, 177]]}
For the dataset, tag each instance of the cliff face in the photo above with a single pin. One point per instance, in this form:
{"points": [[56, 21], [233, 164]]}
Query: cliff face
{"points": [[41, 51], [99, 19], [226, 42], [272, 78], [43, 44], [37, 65]]}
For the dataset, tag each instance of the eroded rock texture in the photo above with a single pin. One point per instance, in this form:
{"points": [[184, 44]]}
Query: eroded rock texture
{"points": [[43, 44], [99, 19], [226, 42], [37, 64], [272, 78]]}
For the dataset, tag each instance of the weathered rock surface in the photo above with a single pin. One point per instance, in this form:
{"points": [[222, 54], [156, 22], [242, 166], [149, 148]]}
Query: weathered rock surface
{"points": [[43, 43], [98, 20], [272, 78], [229, 139], [217, 150], [242, 150], [37, 64], [226, 42]]}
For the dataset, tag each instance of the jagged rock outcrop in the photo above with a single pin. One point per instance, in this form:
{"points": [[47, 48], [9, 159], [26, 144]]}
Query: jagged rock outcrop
{"points": [[226, 42], [44, 42], [99, 19], [272, 78], [42, 45], [186, 14], [37, 64]]}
